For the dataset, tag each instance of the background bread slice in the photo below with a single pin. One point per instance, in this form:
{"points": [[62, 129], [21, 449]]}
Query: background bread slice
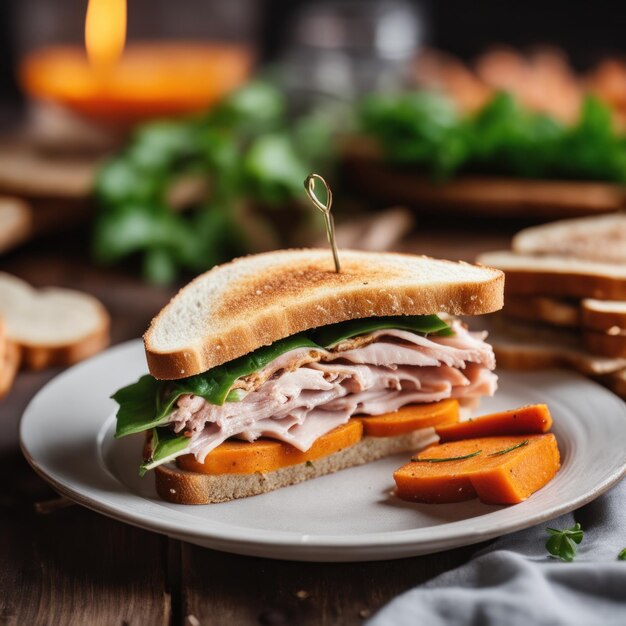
{"points": [[15, 222], [604, 315], [543, 309], [181, 487], [253, 301], [52, 326], [524, 347], [597, 238], [558, 276], [604, 344], [9, 364]]}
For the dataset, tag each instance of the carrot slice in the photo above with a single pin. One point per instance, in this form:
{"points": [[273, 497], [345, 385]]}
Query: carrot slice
{"points": [[527, 420], [267, 455], [506, 470], [410, 418]]}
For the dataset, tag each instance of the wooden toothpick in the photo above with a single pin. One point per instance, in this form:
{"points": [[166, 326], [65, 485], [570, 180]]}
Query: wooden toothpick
{"points": [[309, 187]]}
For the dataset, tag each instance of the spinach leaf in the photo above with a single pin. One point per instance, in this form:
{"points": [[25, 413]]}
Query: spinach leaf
{"points": [[137, 406], [147, 403], [329, 336], [165, 445]]}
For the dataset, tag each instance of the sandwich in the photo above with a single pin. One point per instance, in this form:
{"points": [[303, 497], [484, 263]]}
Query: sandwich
{"points": [[274, 368]]}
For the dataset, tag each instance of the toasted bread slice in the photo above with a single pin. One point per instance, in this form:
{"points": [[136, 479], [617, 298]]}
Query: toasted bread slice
{"points": [[52, 326], [15, 222], [543, 309], [558, 276], [253, 301], [524, 347], [604, 315], [26, 172], [605, 344], [599, 238], [9, 364], [182, 487]]}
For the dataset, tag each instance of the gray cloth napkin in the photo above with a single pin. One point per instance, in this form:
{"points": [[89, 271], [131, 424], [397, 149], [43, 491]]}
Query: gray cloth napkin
{"points": [[513, 581]]}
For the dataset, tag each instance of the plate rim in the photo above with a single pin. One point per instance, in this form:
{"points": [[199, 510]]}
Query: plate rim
{"points": [[234, 539]]}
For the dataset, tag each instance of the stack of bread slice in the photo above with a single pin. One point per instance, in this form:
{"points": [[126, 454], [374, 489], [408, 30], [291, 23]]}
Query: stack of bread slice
{"points": [[565, 298], [46, 327]]}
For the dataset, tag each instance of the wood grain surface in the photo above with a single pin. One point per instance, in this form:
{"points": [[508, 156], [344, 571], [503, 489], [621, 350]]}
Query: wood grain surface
{"points": [[74, 567]]}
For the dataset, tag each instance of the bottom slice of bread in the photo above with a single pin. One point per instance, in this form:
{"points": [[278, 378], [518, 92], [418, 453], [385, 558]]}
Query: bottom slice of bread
{"points": [[183, 487]]}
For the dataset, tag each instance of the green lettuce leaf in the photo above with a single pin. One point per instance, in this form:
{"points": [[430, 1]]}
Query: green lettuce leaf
{"points": [[147, 403], [166, 445], [329, 336], [138, 407]]}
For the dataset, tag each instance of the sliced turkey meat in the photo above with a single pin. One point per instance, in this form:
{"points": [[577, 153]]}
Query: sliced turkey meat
{"points": [[305, 393]]}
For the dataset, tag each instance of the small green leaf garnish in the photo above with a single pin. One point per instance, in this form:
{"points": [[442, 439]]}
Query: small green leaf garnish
{"points": [[309, 464], [506, 450], [562, 543], [622, 555], [452, 458]]}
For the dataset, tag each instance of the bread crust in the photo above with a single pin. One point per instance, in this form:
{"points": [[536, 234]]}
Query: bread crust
{"points": [[611, 346], [296, 290], [599, 316], [38, 357], [9, 366], [574, 285], [52, 348], [182, 487], [558, 276], [520, 346], [542, 309]]}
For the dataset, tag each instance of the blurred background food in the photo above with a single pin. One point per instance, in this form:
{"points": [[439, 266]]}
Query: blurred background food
{"points": [[173, 136]]}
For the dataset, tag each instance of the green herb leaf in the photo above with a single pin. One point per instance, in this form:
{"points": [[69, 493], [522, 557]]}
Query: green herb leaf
{"points": [[309, 464], [330, 336], [622, 555], [503, 138], [507, 450], [137, 407], [452, 458], [562, 543], [165, 445]]}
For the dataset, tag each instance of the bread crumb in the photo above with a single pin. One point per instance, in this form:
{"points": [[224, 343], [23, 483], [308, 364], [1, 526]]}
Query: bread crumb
{"points": [[172, 490]]}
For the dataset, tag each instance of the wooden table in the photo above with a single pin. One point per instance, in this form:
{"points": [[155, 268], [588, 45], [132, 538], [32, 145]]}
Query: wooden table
{"points": [[74, 566]]}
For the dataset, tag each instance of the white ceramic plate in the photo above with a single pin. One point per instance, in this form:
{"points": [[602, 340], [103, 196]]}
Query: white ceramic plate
{"points": [[67, 435]]}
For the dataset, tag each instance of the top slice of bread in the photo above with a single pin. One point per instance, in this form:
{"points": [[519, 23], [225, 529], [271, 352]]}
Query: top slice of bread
{"points": [[597, 238], [253, 301]]}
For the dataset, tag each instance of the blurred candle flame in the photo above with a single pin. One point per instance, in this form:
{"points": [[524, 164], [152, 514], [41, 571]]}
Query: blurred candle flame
{"points": [[105, 32]]}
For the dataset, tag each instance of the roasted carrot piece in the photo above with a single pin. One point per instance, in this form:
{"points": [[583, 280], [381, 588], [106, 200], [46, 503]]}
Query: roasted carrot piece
{"points": [[499, 470], [411, 418], [266, 455], [527, 420]]}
